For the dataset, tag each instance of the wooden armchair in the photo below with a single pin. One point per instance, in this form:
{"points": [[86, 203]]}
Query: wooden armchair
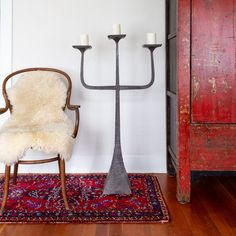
{"points": [[44, 108]]}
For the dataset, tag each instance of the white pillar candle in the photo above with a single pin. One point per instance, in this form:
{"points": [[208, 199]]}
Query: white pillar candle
{"points": [[116, 29], [151, 38], [84, 39]]}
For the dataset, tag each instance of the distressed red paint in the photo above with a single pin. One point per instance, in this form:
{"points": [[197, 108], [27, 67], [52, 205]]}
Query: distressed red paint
{"points": [[213, 61], [206, 113], [183, 109], [213, 147]]}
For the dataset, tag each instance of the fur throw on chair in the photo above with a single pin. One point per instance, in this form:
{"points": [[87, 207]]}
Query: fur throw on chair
{"points": [[38, 120]]}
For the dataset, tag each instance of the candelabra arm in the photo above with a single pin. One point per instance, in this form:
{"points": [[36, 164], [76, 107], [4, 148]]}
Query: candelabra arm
{"points": [[132, 87], [94, 87]]}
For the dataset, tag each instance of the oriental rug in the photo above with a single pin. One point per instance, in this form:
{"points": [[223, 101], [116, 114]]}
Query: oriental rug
{"points": [[37, 198]]}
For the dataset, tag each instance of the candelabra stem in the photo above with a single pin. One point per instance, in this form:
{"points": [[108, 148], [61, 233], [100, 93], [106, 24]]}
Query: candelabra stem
{"points": [[117, 104], [117, 181]]}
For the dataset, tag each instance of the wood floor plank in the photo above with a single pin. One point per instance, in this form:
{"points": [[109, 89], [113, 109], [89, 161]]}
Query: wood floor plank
{"points": [[159, 229], [23, 229], [115, 229], [228, 208], [229, 184], [2, 228], [136, 229], [198, 218], [102, 230], [216, 204], [89, 229]]}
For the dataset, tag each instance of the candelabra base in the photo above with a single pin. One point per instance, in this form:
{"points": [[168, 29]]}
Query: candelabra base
{"points": [[117, 181]]}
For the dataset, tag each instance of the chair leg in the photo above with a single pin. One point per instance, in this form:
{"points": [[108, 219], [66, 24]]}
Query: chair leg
{"points": [[61, 163], [6, 187], [59, 166], [15, 173]]}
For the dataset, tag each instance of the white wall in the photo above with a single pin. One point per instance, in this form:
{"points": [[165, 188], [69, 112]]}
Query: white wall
{"points": [[5, 38], [5, 46], [43, 34]]}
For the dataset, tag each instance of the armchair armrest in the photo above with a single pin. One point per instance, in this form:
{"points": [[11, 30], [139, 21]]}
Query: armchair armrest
{"points": [[76, 109], [3, 110]]}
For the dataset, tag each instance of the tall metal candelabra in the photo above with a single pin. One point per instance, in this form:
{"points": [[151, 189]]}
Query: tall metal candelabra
{"points": [[117, 181]]}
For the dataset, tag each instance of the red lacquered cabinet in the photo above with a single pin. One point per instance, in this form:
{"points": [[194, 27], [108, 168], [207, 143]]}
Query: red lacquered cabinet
{"points": [[205, 93]]}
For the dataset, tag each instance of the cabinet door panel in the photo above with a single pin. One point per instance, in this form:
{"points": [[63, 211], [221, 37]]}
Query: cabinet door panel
{"points": [[213, 147], [213, 81]]}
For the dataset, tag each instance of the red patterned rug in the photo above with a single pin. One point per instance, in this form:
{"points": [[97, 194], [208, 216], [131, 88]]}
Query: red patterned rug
{"points": [[37, 199]]}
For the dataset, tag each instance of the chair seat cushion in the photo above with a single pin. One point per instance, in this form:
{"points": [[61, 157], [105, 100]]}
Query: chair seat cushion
{"points": [[50, 138]]}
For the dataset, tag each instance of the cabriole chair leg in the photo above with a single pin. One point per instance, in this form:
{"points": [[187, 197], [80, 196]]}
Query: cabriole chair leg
{"points": [[61, 163], [6, 187]]}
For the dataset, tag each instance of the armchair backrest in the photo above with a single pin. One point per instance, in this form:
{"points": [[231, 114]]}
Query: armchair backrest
{"points": [[28, 89]]}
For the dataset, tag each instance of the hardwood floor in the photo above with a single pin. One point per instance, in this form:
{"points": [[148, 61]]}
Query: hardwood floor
{"points": [[211, 212]]}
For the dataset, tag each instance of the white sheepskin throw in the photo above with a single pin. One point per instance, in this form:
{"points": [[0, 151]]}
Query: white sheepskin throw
{"points": [[37, 121]]}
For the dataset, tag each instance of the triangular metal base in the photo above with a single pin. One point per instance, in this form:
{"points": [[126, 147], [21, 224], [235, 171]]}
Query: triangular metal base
{"points": [[117, 181]]}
